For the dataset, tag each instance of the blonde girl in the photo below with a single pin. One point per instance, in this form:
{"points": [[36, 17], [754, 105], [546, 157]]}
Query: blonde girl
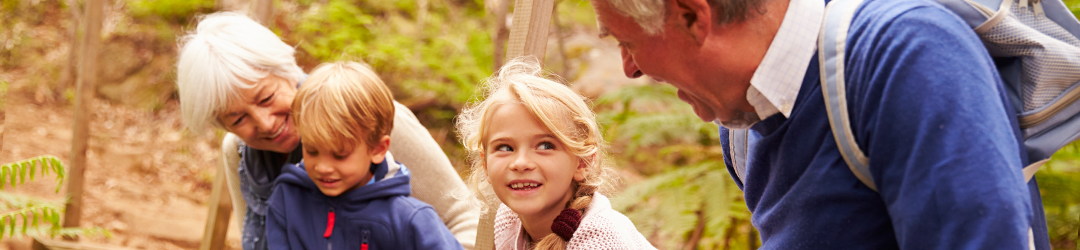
{"points": [[536, 144]]}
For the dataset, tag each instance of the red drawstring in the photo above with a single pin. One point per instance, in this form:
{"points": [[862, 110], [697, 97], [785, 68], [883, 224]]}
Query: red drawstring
{"points": [[329, 225]]}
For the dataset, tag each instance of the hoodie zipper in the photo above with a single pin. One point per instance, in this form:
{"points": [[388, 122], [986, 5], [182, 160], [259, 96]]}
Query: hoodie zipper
{"points": [[329, 228], [364, 240]]}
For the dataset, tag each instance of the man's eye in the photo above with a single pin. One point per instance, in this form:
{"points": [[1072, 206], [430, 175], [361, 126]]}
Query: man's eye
{"points": [[504, 147], [545, 146]]}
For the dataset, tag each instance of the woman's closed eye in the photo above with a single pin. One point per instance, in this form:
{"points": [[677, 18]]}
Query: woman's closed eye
{"points": [[238, 120], [267, 99]]}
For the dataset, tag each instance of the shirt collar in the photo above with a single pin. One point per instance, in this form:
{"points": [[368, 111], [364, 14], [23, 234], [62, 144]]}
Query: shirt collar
{"points": [[777, 80]]}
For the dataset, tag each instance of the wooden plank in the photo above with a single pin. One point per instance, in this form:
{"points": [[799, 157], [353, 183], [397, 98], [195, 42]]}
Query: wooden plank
{"points": [[217, 221], [529, 31], [528, 37], [264, 12], [83, 95], [41, 243]]}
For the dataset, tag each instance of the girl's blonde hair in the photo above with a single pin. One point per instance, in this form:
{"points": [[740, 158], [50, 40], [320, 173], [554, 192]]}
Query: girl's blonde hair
{"points": [[559, 109]]}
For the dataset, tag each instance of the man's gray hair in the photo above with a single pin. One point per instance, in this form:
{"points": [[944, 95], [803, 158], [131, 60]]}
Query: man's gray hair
{"points": [[650, 13]]}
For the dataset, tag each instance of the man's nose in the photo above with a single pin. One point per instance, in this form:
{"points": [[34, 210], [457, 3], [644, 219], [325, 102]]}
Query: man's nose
{"points": [[629, 67]]}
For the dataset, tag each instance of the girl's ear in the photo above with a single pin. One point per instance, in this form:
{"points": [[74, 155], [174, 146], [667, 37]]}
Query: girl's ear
{"points": [[378, 153], [582, 169]]}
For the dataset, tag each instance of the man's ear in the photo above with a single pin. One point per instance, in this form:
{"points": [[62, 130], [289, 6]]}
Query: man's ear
{"points": [[378, 152], [691, 16]]}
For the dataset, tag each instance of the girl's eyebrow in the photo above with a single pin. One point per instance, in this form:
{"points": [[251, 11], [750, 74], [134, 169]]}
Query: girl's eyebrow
{"points": [[548, 135]]}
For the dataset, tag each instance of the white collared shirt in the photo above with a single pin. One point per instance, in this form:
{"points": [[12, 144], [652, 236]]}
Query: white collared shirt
{"points": [[777, 80]]}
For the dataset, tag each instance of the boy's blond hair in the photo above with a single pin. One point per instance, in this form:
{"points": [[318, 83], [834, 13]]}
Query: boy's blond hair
{"points": [[559, 109], [341, 104]]}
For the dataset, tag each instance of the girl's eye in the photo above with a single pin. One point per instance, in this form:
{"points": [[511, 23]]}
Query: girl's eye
{"points": [[545, 146], [504, 147]]}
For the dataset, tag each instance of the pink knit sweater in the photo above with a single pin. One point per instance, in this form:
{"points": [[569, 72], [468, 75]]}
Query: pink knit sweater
{"points": [[600, 228]]}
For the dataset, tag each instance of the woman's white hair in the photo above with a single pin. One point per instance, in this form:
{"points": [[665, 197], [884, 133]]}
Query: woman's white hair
{"points": [[226, 52]]}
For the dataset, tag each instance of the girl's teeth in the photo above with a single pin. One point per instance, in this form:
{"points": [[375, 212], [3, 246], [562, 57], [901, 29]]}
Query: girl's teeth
{"points": [[523, 185]]}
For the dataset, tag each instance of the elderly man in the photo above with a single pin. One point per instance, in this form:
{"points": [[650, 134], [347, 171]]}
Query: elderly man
{"points": [[942, 144]]}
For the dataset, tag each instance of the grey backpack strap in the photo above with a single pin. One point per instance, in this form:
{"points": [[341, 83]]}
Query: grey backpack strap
{"points": [[738, 142], [831, 43]]}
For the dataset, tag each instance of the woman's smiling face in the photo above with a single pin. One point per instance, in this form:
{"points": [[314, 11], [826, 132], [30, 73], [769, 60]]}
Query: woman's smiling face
{"points": [[260, 115], [530, 170]]}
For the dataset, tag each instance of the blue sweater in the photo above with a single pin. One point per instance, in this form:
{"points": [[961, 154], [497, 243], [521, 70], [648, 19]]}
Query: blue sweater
{"points": [[380, 214], [928, 108]]}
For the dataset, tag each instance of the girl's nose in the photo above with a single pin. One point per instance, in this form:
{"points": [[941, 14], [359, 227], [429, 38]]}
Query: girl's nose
{"points": [[522, 163]]}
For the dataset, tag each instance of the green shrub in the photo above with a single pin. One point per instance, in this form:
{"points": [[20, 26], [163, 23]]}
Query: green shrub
{"points": [[175, 11]]}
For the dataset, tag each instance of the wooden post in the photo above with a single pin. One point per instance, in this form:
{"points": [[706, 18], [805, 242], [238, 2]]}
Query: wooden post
{"points": [[264, 12], [220, 204], [528, 37], [528, 34], [83, 95]]}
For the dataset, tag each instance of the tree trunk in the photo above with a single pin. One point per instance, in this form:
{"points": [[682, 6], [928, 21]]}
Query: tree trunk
{"points": [[695, 237], [561, 42], [67, 74], [502, 32], [84, 93]]}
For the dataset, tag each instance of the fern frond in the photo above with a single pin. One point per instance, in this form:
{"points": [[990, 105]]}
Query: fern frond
{"points": [[16, 172]]}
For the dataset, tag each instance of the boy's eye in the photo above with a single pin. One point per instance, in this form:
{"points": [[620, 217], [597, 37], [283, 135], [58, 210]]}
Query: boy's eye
{"points": [[545, 146], [339, 157], [312, 153], [504, 147]]}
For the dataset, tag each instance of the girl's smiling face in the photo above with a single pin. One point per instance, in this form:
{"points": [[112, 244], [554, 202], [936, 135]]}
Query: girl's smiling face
{"points": [[530, 170]]}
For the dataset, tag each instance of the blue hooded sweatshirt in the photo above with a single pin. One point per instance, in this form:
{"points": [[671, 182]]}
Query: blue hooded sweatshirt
{"points": [[379, 215]]}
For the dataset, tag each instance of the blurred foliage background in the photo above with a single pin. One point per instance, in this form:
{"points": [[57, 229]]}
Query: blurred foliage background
{"points": [[433, 54]]}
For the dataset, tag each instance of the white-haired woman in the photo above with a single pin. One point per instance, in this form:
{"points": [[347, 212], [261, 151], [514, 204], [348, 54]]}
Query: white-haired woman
{"points": [[237, 75]]}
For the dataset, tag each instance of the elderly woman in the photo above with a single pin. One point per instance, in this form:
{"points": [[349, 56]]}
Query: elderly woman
{"points": [[237, 75]]}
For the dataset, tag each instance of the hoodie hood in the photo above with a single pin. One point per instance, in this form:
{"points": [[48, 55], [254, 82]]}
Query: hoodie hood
{"points": [[391, 178]]}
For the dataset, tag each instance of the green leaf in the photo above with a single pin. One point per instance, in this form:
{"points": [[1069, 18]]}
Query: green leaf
{"points": [[22, 171], [11, 225], [34, 216], [3, 226], [33, 167], [14, 177], [24, 224], [3, 175]]}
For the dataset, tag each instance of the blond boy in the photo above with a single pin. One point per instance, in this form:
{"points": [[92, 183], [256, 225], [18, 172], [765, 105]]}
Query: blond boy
{"points": [[348, 186]]}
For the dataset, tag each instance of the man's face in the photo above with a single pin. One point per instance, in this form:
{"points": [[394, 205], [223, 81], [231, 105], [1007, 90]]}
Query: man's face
{"points": [[712, 70]]}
